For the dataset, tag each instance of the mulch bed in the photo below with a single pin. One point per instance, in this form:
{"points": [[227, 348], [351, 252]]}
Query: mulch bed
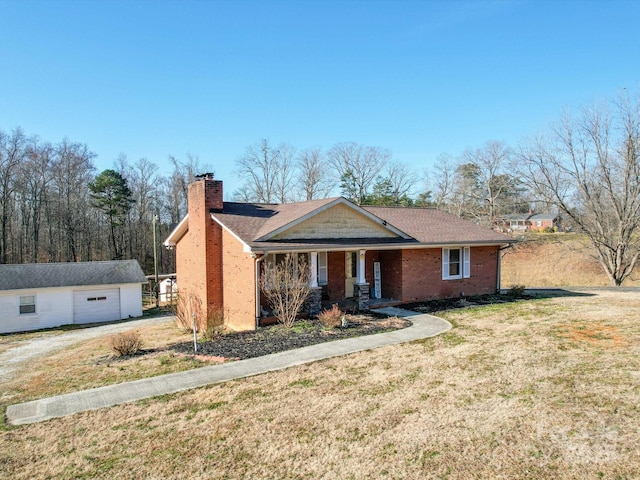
{"points": [[277, 338], [441, 305]]}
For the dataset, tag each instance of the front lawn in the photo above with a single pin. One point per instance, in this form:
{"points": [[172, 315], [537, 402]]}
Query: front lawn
{"points": [[536, 389]]}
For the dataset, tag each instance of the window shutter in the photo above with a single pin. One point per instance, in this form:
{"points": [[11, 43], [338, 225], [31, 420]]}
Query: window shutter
{"points": [[466, 269], [445, 263]]}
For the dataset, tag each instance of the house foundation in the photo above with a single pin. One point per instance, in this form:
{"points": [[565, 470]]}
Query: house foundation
{"points": [[361, 295], [314, 302]]}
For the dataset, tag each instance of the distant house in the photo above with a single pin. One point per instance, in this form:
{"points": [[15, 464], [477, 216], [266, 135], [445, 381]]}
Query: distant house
{"points": [[525, 222], [43, 295], [168, 290], [541, 221], [364, 254]]}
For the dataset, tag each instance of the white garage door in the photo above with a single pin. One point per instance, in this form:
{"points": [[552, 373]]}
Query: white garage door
{"points": [[91, 306]]}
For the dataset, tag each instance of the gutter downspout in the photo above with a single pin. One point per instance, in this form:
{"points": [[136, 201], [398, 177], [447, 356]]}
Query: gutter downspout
{"points": [[257, 282]]}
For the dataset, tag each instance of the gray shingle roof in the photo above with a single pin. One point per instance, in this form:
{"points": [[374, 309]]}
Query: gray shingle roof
{"points": [[44, 275], [424, 225], [432, 226]]}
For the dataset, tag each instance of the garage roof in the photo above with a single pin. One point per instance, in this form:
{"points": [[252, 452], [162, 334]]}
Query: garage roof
{"points": [[48, 275]]}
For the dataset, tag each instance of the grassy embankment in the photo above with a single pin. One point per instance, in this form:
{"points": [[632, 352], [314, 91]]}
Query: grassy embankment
{"points": [[555, 260]]}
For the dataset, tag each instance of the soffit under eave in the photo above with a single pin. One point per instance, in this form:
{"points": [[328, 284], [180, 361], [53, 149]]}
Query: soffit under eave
{"points": [[177, 233], [263, 249]]}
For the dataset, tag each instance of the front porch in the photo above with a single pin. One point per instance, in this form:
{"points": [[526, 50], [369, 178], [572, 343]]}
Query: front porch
{"points": [[349, 304], [355, 280]]}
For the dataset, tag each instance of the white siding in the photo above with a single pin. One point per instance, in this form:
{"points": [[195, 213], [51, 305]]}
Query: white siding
{"points": [[131, 300], [54, 307]]}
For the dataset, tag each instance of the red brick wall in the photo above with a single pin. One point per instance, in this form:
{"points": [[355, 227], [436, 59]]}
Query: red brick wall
{"points": [[422, 274], [390, 271], [198, 252], [335, 273], [239, 291]]}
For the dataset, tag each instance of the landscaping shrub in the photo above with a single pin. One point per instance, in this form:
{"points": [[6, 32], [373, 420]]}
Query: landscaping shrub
{"points": [[286, 285], [126, 344], [331, 317], [215, 324], [516, 291]]}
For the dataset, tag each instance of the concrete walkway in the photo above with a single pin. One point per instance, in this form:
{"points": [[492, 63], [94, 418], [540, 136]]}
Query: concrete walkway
{"points": [[424, 326]]}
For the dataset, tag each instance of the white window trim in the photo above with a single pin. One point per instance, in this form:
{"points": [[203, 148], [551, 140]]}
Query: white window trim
{"points": [[465, 263], [322, 268], [35, 305]]}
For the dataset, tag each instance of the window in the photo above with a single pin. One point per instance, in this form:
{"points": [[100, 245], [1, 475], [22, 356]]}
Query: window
{"points": [[27, 304], [456, 263], [322, 268], [352, 264]]}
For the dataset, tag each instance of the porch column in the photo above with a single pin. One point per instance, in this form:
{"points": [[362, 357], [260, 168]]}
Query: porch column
{"points": [[361, 276], [361, 287], [314, 302], [313, 269]]}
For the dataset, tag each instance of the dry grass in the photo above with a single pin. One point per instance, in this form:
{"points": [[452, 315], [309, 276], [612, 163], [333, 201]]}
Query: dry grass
{"points": [[549, 260], [539, 389], [92, 363]]}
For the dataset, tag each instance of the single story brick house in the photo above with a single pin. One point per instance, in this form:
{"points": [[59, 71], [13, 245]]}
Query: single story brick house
{"points": [[524, 222], [45, 295], [370, 254]]}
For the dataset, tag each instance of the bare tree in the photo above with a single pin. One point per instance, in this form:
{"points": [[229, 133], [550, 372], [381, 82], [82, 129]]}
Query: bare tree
{"points": [[443, 178], [358, 167], [142, 178], [285, 173], [285, 283], [313, 174], [70, 174], [32, 186], [401, 179], [183, 174], [267, 172], [487, 180], [590, 168], [12, 152]]}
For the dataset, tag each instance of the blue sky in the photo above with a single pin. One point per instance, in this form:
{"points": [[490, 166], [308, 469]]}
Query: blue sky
{"points": [[157, 78]]}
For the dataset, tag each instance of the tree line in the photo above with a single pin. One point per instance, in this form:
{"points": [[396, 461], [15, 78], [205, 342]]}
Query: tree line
{"points": [[585, 167], [54, 207], [480, 184]]}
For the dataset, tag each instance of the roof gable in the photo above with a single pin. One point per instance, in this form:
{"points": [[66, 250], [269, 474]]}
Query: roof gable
{"points": [[49, 275], [337, 219]]}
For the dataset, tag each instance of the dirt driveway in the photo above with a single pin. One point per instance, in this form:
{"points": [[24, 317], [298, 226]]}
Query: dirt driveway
{"points": [[16, 353]]}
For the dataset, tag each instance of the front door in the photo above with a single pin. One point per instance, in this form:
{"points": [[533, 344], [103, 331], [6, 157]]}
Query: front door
{"points": [[351, 261]]}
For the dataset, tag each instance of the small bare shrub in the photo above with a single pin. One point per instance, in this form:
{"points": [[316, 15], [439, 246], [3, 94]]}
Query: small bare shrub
{"points": [[516, 291], [126, 344], [187, 306], [332, 317], [286, 285], [210, 326], [215, 324]]}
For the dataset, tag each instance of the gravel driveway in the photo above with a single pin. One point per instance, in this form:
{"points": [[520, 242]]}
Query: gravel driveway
{"points": [[27, 350]]}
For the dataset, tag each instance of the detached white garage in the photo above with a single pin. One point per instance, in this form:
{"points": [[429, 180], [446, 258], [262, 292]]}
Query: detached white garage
{"points": [[44, 295]]}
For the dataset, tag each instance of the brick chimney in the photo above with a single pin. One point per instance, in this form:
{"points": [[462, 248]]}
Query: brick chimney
{"points": [[207, 191], [199, 259]]}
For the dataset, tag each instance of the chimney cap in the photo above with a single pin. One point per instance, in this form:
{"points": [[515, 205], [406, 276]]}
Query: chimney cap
{"points": [[207, 175]]}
